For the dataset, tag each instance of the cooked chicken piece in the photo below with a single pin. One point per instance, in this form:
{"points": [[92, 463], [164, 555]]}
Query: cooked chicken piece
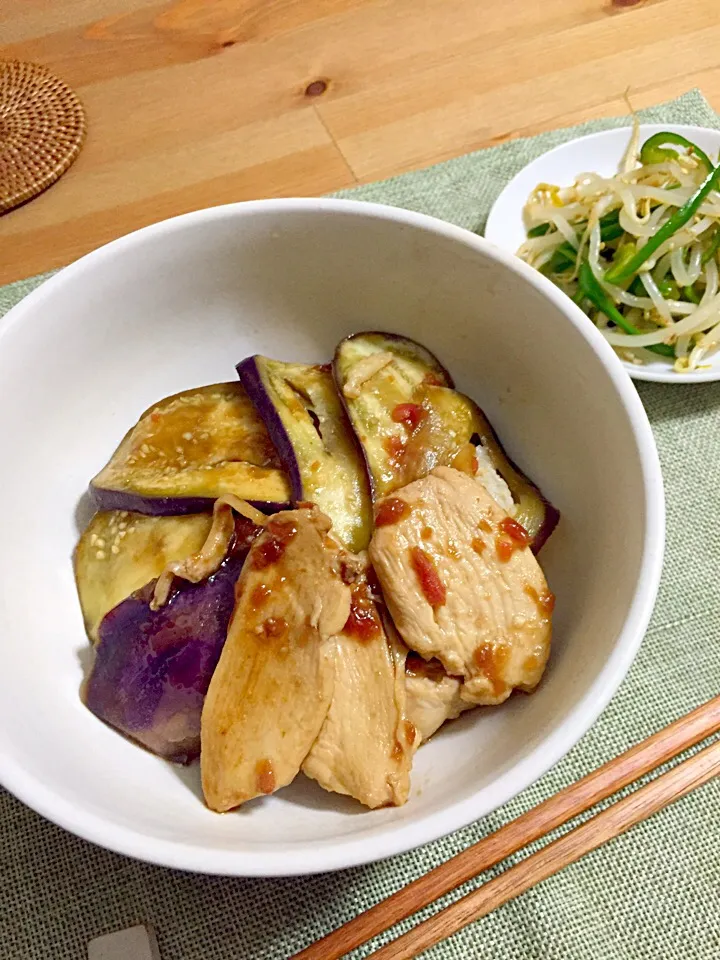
{"points": [[462, 584], [272, 688], [366, 745], [433, 696]]}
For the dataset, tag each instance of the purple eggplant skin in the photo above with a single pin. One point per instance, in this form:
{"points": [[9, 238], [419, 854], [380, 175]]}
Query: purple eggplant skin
{"points": [[152, 668], [168, 506], [314, 441], [404, 346], [251, 378], [551, 520]]}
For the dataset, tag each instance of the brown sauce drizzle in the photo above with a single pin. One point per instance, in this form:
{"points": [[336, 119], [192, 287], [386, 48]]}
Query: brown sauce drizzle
{"points": [[265, 781], [363, 621], [491, 659]]}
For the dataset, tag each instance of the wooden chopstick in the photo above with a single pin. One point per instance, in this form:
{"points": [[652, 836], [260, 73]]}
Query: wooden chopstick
{"points": [[536, 823], [618, 818]]}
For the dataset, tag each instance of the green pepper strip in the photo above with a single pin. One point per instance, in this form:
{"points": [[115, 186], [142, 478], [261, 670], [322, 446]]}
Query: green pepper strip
{"points": [[652, 151], [712, 249], [539, 231], [676, 221], [691, 294], [597, 296], [608, 223]]}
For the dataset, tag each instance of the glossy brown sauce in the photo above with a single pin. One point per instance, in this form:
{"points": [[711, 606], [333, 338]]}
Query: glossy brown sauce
{"points": [[491, 660], [452, 550], [430, 583], [275, 627], [363, 621], [270, 548], [466, 460], [394, 448], [478, 545], [259, 595], [391, 511], [410, 732], [545, 601], [265, 776], [504, 547]]}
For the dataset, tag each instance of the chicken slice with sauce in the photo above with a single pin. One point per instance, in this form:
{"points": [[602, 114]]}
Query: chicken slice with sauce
{"points": [[462, 585], [272, 688], [432, 695], [366, 745]]}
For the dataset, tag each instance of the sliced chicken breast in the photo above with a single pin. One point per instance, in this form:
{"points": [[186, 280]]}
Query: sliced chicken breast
{"points": [[462, 585], [433, 696], [366, 744], [271, 691]]}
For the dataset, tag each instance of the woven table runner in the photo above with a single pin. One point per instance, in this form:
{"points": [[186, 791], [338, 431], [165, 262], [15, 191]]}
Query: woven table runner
{"points": [[653, 894]]}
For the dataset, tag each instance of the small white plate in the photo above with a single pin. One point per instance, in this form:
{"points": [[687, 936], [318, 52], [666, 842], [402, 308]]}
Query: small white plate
{"points": [[600, 153]]}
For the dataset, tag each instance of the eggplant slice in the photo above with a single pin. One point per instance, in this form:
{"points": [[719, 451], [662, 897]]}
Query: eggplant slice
{"points": [[120, 552], [153, 666], [314, 440], [408, 420], [189, 449]]}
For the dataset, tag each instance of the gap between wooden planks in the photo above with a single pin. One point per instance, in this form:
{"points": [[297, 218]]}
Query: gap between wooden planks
{"points": [[192, 104]]}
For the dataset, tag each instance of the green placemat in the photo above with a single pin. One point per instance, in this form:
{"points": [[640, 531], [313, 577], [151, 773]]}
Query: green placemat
{"points": [[653, 894]]}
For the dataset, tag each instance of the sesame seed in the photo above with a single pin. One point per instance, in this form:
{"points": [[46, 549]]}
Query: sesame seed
{"points": [[93, 539], [122, 534], [100, 542], [187, 436], [100, 555], [115, 548]]}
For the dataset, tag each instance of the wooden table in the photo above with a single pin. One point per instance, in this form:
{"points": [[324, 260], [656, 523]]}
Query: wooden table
{"points": [[199, 102]]}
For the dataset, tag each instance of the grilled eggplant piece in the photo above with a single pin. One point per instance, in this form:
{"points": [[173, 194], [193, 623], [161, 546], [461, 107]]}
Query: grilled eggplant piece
{"points": [[153, 666], [536, 514], [409, 420], [272, 688], [308, 425], [120, 552], [189, 449]]}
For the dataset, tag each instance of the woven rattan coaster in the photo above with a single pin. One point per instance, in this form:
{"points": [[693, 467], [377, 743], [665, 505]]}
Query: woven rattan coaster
{"points": [[42, 128]]}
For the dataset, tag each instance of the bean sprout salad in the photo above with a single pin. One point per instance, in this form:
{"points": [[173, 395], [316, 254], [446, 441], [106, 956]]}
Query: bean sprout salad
{"points": [[639, 252]]}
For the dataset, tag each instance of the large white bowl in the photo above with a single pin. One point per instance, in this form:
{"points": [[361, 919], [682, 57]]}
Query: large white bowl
{"points": [[178, 304]]}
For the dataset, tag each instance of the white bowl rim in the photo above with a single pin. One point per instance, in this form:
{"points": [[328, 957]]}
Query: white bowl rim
{"points": [[689, 130], [396, 838]]}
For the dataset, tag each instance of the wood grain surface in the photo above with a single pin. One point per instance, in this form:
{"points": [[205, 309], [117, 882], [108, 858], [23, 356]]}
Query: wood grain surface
{"points": [[197, 102]]}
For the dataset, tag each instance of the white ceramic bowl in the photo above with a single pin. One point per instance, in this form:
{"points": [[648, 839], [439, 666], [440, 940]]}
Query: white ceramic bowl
{"points": [[178, 304], [598, 153]]}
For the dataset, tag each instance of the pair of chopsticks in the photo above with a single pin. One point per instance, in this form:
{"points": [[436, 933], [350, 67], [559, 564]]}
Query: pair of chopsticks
{"points": [[533, 825]]}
